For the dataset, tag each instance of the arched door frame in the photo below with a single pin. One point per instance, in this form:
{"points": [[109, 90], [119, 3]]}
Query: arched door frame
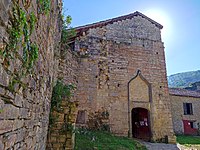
{"points": [[148, 122], [129, 109]]}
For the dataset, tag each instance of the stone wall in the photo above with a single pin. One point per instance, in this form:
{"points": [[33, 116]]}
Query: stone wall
{"points": [[61, 130], [60, 133], [110, 57], [68, 65], [178, 112], [24, 112]]}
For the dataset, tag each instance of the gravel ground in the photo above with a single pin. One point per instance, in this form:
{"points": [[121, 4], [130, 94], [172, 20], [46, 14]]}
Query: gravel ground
{"points": [[160, 146]]}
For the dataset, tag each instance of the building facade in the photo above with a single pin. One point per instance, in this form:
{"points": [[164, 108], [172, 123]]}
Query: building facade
{"points": [[185, 105], [121, 69]]}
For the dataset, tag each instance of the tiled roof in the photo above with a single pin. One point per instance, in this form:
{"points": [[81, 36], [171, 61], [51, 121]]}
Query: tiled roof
{"points": [[84, 28], [183, 92]]}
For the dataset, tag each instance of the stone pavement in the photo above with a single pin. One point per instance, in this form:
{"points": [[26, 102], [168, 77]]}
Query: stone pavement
{"points": [[160, 146]]}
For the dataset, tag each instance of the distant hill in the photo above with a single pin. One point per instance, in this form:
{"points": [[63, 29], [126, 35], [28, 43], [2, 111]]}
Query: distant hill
{"points": [[184, 79]]}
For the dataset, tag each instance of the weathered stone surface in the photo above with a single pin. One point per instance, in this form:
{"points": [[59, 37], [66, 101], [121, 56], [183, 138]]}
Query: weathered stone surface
{"points": [[178, 112], [135, 93], [9, 140], [6, 126], [61, 129], [1, 142], [9, 112], [4, 11], [100, 63], [110, 56], [24, 115]]}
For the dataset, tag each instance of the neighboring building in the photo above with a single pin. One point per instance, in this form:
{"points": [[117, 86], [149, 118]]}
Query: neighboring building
{"points": [[185, 105], [121, 69]]}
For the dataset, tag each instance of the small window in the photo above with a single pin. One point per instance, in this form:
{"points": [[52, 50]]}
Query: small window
{"points": [[80, 117], [187, 108], [192, 124]]}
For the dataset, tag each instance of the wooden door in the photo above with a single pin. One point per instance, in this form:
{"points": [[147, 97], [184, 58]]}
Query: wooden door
{"points": [[140, 123]]}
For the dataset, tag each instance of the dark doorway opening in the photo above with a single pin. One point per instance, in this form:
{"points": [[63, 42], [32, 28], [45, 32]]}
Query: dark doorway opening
{"points": [[140, 124]]}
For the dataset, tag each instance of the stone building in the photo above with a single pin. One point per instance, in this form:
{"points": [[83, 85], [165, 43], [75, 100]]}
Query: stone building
{"points": [[185, 107], [121, 69], [118, 66]]}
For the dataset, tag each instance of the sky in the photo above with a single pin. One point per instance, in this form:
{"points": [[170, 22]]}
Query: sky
{"points": [[180, 20]]}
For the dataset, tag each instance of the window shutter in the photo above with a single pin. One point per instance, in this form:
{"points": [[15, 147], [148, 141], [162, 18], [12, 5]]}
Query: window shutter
{"points": [[185, 108]]}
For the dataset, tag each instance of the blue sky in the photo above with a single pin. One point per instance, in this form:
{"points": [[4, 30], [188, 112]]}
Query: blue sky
{"points": [[180, 18]]}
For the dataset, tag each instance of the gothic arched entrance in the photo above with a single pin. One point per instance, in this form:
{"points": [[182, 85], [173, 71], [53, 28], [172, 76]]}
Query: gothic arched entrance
{"points": [[140, 123]]}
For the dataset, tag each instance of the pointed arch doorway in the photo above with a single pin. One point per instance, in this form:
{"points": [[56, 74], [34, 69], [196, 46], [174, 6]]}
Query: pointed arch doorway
{"points": [[139, 107], [140, 123]]}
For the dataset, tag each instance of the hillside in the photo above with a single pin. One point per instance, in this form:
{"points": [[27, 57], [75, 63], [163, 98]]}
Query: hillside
{"points": [[184, 79]]}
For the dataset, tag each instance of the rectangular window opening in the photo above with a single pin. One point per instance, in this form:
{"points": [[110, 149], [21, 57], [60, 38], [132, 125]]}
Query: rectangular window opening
{"points": [[192, 124], [188, 109]]}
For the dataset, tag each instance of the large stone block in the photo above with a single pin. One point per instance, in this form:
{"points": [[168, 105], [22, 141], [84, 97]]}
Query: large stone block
{"points": [[9, 140], [6, 126], [1, 143]]}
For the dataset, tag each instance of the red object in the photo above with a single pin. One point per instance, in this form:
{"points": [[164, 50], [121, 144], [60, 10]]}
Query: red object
{"points": [[188, 130], [140, 123]]}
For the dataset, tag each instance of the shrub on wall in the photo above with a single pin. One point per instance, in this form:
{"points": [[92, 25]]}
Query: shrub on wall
{"points": [[62, 116]]}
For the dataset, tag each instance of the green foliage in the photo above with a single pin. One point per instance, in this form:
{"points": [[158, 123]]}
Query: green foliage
{"points": [[16, 31], [88, 139], [12, 84], [22, 26], [32, 22], [1, 110], [30, 55], [44, 6], [52, 119], [61, 92], [67, 31], [188, 140], [184, 79], [67, 128], [68, 20]]}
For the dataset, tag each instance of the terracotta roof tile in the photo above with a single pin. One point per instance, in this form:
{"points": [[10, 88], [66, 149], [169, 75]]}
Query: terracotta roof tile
{"points": [[81, 29], [183, 92]]}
